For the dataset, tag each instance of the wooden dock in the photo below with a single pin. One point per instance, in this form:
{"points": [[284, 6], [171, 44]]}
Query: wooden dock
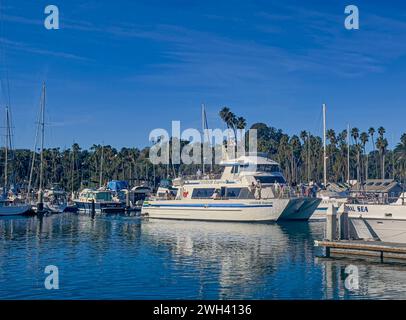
{"points": [[384, 251]]}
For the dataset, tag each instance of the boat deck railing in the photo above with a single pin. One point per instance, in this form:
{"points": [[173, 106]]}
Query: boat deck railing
{"points": [[373, 199]]}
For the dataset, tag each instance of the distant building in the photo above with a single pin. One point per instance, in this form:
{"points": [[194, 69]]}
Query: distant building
{"points": [[382, 188]]}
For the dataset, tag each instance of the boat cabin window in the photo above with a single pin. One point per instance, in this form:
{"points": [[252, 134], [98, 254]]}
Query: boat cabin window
{"points": [[235, 169], [233, 192], [202, 193], [103, 196], [268, 179], [268, 168]]}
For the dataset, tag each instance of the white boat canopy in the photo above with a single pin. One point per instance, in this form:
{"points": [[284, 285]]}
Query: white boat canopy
{"points": [[248, 160]]}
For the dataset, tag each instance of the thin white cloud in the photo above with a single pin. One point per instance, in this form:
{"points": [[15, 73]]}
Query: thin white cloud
{"points": [[14, 45]]}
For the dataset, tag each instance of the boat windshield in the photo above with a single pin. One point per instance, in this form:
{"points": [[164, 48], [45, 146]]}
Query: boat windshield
{"points": [[270, 179], [268, 168], [104, 196]]}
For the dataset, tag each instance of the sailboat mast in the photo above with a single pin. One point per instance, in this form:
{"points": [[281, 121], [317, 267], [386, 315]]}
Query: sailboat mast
{"points": [[73, 168], [348, 153], [101, 167], [206, 138], [324, 147], [308, 156], [203, 135], [6, 150], [41, 176]]}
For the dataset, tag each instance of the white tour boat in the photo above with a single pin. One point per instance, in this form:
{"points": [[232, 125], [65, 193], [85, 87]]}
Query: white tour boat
{"points": [[251, 188]]}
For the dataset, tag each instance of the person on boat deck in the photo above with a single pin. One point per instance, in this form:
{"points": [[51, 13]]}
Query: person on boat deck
{"points": [[252, 188], [216, 195], [277, 187], [259, 190]]}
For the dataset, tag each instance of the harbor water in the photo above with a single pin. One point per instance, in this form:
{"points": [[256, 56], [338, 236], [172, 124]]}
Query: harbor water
{"points": [[122, 257]]}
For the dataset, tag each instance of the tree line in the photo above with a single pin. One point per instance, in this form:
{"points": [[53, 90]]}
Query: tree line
{"points": [[299, 155]]}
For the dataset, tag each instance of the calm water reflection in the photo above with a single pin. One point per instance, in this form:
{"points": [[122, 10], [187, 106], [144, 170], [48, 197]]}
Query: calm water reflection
{"points": [[122, 257]]}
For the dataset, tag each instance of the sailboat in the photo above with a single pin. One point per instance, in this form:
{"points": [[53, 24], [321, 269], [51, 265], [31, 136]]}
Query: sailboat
{"points": [[327, 194], [54, 200], [8, 207]]}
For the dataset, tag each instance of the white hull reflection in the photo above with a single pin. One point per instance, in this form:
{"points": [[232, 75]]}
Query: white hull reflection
{"points": [[236, 253]]}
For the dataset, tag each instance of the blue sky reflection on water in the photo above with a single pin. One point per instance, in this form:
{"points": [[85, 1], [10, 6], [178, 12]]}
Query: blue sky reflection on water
{"points": [[121, 257]]}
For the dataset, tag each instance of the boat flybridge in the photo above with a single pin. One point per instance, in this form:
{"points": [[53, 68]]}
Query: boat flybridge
{"points": [[251, 188]]}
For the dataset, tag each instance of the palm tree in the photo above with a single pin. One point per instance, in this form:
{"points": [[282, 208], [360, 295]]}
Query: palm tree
{"points": [[400, 152], [295, 150], [381, 144], [355, 136], [225, 114], [241, 123], [364, 139], [306, 145], [343, 145], [331, 136], [381, 131], [303, 136], [371, 132]]}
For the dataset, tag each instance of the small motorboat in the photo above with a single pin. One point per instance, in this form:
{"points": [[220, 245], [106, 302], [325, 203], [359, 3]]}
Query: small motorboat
{"points": [[101, 200]]}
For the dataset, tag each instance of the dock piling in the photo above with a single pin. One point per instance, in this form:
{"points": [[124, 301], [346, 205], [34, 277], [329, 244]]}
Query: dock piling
{"points": [[344, 225], [127, 200], [40, 204], [331, 223], [93, 210]]}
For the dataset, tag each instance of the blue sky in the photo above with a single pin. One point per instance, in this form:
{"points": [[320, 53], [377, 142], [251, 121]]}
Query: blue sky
{"points": [[117, 70]]}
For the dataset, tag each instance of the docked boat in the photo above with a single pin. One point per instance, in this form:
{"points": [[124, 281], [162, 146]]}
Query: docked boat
{"points": [[131, 197], [102, 199], [8, 208], [56, 201], [9, 205], [379, 221], [251, 188], [329, 196]]}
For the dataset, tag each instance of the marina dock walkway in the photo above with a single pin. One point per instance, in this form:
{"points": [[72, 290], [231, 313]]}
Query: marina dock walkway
{"points": [[385, 251]]}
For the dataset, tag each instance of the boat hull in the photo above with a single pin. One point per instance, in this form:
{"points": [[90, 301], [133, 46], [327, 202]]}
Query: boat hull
{"points": [[380, 222], [55, 208], [15, 210], [216, 210], [300, 209], [321, 210], [100, 207]]}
